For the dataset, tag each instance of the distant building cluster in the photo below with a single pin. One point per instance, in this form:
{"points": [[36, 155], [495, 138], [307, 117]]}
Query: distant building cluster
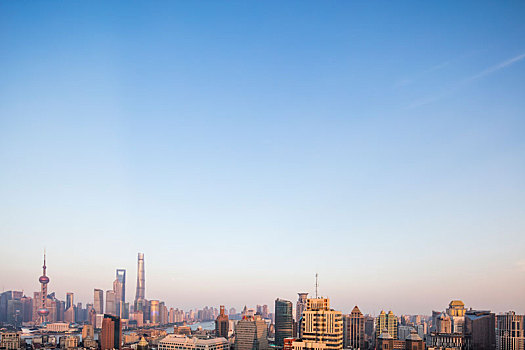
{"points": [[110, 322]]}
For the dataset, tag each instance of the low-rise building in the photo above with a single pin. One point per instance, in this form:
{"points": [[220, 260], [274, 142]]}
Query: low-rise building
{"points": [[10, 340], [182, 342]]}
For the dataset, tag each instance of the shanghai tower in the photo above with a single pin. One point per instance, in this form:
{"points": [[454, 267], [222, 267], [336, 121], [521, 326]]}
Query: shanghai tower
{"points": [[141, 283]]}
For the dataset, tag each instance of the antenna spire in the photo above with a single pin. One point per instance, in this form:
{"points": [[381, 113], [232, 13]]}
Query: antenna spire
{"points": [[316, 284]]}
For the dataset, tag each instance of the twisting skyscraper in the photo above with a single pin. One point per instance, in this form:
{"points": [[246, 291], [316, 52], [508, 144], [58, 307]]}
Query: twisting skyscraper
{"points": [[141, 284], [44, 280]]}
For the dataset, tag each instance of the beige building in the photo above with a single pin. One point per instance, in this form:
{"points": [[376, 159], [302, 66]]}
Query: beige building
{"points": [[181, 342], [308, 345], [386, 322], [10, 340], [251, 333], [510, 331], [321, 325]]}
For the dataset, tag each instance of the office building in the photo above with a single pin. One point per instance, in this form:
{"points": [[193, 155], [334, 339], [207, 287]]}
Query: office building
{"points": [[140, 295], [111, 334], [111, 307], [154, 311], [98, 301], [300, 306], [322, 325], [222, 324], [283, 321], [251, 333], [69, 300], [119, 287], [480, 330], [444, 324], [510, 330], [354, 330], [388, 322]]}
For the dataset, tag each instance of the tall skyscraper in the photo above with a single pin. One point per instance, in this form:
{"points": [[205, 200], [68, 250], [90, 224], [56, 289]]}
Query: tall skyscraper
{"points": [[510, 331], [300, 306], [43, 312], [111, 306], [354, 330], [222, 324], [283, 321], [98, 301], [69, 300], [388, 322], [140, 295], [111, 335], [154, 311], [251, 333], [322, 325], [119, 287]]}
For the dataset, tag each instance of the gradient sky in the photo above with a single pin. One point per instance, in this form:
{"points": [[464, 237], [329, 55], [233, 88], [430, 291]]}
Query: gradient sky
{"points": [[244, 146]]}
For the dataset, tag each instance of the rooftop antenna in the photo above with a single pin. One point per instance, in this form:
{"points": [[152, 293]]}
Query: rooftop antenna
{"points": [[316, 284]]}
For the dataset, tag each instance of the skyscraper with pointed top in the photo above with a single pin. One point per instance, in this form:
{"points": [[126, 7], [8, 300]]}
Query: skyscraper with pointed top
{"points": [[44, 280]]}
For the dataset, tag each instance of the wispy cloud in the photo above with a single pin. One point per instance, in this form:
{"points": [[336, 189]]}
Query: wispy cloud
{"points": [[408, 81], [468, 80]]}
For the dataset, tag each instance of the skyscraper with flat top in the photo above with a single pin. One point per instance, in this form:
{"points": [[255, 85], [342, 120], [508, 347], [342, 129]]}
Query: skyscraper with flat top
{"points": [[111, 335], [283, 321], [300, 306], [98, 301], [119, 287], [251, 333], [321, 325], [510, 331]]}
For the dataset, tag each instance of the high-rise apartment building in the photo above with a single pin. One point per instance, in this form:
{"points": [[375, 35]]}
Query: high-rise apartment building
{"points": [[480, 330], [283, 321], [111, 334], [322, 325], [510, 331], [354, 330], [98, 301], [388, 322], [222, 324], [251, 333]]}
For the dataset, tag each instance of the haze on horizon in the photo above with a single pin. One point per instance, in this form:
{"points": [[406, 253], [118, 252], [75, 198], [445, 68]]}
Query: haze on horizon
{"points": [[245, 146]]}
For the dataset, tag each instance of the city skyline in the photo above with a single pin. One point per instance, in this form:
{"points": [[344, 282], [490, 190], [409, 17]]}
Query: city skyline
{"points": [[244, 147], [376, 310]]}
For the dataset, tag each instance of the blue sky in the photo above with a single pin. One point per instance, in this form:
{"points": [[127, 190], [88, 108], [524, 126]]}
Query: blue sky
{"points": [[244, 146]]}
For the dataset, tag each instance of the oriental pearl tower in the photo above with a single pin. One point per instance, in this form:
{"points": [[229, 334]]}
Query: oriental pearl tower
{"points": [[44, 280]]}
